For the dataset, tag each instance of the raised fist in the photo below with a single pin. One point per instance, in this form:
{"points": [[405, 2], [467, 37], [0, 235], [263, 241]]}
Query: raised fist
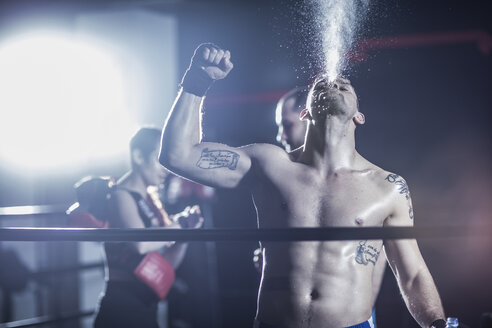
{"points": [[209, 63], [214, 61]]}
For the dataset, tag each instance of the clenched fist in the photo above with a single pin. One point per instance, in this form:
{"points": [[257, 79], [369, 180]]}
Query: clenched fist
{"points": [[214, 61], [209, 63]]}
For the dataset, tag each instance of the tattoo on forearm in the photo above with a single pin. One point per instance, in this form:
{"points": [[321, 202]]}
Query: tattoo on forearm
{"points": [[365, 254], [214, 159], [403, 189]]}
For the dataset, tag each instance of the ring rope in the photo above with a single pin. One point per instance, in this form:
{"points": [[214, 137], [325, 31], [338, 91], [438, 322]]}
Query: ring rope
{"points": [[28, 210], [277, 235]]}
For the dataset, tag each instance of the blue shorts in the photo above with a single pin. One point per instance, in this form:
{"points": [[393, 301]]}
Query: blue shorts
{"points": [[365, 324], [373, 318]]}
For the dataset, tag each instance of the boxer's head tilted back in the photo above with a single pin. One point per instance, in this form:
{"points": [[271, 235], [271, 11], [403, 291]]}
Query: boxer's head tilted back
{"points": [[333, 100]]}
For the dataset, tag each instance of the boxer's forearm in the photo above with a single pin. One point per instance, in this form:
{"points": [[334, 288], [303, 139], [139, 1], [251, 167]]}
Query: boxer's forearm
{"points": [[181, 131], [422, 299]]}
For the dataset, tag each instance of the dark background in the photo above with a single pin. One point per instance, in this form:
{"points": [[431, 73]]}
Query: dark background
{"points": [[427, 105]]}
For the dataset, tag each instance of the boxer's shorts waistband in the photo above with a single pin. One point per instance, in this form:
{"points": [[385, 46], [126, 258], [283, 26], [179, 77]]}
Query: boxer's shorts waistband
{"points": [[365, 324]]}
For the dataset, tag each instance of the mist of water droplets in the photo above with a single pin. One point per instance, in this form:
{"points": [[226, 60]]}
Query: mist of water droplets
{"points": [[337, 22]]}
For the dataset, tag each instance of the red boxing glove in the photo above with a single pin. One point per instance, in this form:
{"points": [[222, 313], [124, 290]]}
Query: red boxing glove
{"points": [[85, 220], [156, 272]]}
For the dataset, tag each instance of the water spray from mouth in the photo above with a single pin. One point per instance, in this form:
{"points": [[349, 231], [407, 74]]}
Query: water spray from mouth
{"points": [[337, 22]]}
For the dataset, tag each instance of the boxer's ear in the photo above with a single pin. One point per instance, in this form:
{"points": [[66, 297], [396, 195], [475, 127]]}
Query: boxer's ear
{"points": [[359, 118], [304, 115]]}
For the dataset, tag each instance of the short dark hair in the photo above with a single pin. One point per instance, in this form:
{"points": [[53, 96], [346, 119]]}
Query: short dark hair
{"points": [[146, 139]]}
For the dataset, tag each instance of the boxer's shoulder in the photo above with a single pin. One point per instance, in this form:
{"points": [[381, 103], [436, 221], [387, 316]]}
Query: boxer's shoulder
{"points": [[265, 152]]}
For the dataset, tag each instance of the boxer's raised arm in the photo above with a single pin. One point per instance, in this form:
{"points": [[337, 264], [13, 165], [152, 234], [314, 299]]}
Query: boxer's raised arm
{"points": [[182, 151]]}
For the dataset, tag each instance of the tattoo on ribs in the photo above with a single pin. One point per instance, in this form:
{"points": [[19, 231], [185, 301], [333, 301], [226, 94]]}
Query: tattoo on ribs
{"points": [[365, 254], [214, 159], [403, 189]]}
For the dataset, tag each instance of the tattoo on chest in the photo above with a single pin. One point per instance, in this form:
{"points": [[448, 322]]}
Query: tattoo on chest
{"points": [[214, 159], [365, 254], [403, 189]]}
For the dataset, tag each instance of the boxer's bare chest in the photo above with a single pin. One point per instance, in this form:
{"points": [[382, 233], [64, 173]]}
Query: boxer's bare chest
{"points": [[300, 196]]}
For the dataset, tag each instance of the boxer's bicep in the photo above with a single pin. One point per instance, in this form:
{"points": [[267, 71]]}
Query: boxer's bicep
{"points": [[216, 165]]}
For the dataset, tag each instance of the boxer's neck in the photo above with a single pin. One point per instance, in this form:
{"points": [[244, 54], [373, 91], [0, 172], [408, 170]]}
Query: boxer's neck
{"points": [[330, 148]]}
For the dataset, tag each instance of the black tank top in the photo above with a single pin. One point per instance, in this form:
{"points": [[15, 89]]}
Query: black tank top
{"points": [[122, 255]]}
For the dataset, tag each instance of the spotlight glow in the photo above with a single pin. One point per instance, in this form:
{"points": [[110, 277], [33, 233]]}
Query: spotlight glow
{"points": [[62, 102]]}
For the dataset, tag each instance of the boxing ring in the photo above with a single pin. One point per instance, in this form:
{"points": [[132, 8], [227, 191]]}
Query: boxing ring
{"points": [[38, 234]]}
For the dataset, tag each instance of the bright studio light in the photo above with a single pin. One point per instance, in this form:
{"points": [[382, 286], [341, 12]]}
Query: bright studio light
{"points": [[61, 103]]}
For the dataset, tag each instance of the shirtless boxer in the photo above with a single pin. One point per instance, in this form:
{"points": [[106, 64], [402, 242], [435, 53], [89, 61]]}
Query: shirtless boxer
{"points": [[326, 183], [291, 133]]}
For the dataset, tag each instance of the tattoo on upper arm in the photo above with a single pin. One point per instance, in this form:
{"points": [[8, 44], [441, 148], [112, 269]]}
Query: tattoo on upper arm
{"points": [[401, 183], [214, 159], [403, 189], [365, 254]]}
